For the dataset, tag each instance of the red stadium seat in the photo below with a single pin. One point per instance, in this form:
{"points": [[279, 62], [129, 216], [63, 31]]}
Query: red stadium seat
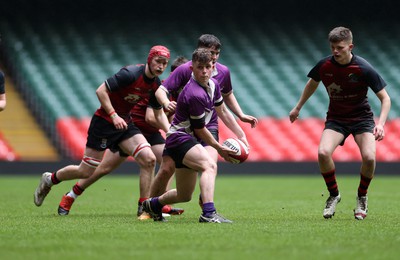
{"points": [[73, 135], [278, 140], [272, 140], [6, 151]]}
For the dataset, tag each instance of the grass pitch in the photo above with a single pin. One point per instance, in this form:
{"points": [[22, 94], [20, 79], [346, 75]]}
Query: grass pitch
{"points": [[274, 218]]}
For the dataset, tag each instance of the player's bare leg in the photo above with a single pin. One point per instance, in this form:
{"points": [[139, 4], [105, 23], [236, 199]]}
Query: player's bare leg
{"points": [[367, 146], [110, 162], [84, 170], [330, 140]]}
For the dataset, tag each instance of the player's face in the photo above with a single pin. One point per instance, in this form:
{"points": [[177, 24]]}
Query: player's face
{"points": [[214, 53], [202, 72], [158, 65], [341, 51]]}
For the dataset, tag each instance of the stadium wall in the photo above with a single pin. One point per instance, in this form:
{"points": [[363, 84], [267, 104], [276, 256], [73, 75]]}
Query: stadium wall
{"points": [[250, 168]]}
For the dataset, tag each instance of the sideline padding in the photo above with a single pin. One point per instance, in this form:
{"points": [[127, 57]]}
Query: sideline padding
{"points": [[274, 139]]}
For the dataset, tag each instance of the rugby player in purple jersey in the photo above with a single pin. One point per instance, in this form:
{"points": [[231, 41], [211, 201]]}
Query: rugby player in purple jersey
{"points": [[347, 78], [174, 84], [197, 105]]}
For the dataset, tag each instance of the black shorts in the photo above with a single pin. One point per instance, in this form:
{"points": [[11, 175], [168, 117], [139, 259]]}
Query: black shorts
{"points": [[178, 153], [102, 135], [154, 138], [366, 126], [214, 133]]}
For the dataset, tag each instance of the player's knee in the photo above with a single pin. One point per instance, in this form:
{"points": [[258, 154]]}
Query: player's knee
{"points": [[369, 160], [213, 165], [323, 154], [208, 165], [166, 171], [185, 197], [170, 168], [146, 159], [140, 149], [88, 166]]}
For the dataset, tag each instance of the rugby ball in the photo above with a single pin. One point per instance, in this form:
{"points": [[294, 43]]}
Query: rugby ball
{"points": [[241, 150]]}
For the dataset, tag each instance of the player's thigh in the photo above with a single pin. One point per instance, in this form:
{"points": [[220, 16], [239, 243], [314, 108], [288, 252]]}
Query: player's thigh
{"points": [[93, 153], [212, 152], [197, 158], [129, 145], [330, 140], [367, 145]]}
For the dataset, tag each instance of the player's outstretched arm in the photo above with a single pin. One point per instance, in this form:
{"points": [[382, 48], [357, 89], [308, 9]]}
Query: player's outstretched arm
{"points": [[231, 101], [309, 89]]}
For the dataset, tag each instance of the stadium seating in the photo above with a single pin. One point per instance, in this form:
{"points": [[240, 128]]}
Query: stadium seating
{"points": [[61, 65]]}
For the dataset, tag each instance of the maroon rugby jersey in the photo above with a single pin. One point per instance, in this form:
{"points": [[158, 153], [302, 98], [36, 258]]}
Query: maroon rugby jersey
{"points": [[347, 87], [139, 118], [127, 87]]}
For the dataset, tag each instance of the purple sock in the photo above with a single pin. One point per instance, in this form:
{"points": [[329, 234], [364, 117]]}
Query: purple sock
{"points": [[208, 209], [156, 205]]}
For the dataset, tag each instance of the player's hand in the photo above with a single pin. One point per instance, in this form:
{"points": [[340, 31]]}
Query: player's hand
{"points": [[119, 123], [294, 114], [224, 152], [379, 132], [249, 119], [170, 106]]}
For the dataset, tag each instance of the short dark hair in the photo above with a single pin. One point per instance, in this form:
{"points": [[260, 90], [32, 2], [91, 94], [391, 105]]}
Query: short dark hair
{"points": [[177, 62], [208, 41], [339, 34], [201, 55]]}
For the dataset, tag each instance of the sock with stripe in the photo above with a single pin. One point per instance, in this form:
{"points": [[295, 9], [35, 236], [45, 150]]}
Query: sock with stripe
{"points": [[54, 178], [364, 184], [75, 191], [330, 181]]}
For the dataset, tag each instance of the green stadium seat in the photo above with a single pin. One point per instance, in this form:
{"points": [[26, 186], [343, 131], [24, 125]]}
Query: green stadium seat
{"points": [[63, 64]]}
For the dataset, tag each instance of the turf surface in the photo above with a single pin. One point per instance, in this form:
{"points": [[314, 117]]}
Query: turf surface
{"points": [[274, 218]]}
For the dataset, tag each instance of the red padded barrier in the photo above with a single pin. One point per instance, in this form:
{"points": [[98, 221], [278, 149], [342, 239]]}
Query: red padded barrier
{"points": [[279, 140], [6, 151], [73, 136], [272, 140]]}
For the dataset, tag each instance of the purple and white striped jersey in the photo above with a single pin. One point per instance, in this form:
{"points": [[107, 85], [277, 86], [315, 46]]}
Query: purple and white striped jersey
{"points": [[195, 109]]}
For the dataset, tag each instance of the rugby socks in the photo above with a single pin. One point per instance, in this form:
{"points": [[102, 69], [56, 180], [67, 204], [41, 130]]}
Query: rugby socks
{"points": [[140, 201], [364, 184], [75, 191], [330, 181], [155, 204], [208, 209], [54, 179]]}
